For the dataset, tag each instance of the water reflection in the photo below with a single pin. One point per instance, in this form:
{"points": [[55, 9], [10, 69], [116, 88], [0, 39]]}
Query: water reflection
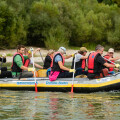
{"points": [[56, 105]]}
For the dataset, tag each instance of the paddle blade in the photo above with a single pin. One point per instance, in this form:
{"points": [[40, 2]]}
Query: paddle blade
{"points": [[36, 87], [72, 89]]}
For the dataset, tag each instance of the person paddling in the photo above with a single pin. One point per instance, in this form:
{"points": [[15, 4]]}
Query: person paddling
{"points": [[96, 63], [110, 56], [29, 61], [49, 59], [58, 68], [80, 61], [18, 64]]}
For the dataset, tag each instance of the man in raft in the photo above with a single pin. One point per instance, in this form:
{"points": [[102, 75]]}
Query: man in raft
{"points": [[96, 64], [58, 68], [109, 57], [18, 69]]}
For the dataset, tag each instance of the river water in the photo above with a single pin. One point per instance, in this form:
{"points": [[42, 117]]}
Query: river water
{"points": [[28, 105]]}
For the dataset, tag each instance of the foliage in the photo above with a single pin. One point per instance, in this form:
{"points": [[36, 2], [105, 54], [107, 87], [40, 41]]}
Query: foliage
{"points": [[12, 26], [55, 23]]}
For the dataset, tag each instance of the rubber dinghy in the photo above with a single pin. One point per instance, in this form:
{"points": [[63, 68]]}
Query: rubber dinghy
{"points": [[81, 85]]}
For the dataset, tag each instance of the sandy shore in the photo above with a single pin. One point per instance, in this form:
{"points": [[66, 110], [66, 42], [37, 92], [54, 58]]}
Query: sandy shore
{"points": [[44, 53]]}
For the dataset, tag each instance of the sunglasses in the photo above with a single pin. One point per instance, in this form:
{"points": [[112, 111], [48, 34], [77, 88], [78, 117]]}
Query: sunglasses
{"points": [[111, 53]]}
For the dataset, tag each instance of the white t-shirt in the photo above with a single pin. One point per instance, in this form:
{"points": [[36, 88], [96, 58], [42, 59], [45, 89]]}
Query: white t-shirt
{"points": [[78, 57], [31, 61]]}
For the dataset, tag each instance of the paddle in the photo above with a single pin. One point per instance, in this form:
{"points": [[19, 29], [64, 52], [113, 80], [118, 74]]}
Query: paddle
{"points": [[109, 61], [31, 49], [41, 56], [73, 76]]}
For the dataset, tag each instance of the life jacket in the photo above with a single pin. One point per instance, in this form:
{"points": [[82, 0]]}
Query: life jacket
{"points": [[81, 63], [107, 57], [26, 62], [55, 66], [51, 62], [92, 64], [14, 67], [48, 62]]}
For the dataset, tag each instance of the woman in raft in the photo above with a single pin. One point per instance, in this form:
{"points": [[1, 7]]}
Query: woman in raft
{"points": [[58, 68], [80, 61]]}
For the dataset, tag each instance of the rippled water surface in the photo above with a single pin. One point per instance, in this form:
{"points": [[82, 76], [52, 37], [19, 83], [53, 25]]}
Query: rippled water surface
{"points": [[27, 105]]}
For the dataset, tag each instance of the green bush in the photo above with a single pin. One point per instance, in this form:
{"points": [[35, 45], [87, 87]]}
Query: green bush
{"points": [[53, 23], [56, 37]]}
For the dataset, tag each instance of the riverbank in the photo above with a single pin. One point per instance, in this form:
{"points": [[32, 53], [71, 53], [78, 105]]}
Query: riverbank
{"points": [[44, 52]]}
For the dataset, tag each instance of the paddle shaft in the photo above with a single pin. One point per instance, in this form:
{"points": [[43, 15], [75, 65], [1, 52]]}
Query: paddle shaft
{"points": [[41, 56], [73, 76], [34, 71], [109, 61]]}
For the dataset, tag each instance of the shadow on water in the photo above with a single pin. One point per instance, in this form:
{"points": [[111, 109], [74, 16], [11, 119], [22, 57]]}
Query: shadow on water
{"points": [[29, 105]]}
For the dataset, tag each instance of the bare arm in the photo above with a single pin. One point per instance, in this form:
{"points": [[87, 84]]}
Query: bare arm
{"points": [[68, 56], [109, 65], [38, 49], [62, 67], [38, 66], [24, 68], [116, 58], [84, 57]]}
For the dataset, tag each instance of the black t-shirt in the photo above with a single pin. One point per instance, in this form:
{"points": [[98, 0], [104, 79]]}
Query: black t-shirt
{"points": [[3, 59], [47, 62], [100, 60], [99, 63]]}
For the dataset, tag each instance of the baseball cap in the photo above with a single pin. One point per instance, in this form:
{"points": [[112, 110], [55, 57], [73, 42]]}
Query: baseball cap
{"points": [[111, 50], [64, 49]]}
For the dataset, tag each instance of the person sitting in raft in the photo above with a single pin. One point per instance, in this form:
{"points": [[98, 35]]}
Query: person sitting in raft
{"points": [[109, 56], [18, 69], [49, 59], [58, 69], [29, 61], [3, 70], [96, 63], [80, 61]]}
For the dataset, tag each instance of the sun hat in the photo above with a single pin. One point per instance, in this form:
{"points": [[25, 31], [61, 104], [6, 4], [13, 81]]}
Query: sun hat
{"points": [[111, 50], [83, 49], [63, 48]]}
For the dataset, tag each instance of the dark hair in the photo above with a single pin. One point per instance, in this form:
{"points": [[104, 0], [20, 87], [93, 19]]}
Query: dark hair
{"points": [[20, 46], [26, 51], [81, 52], [99, 47]]}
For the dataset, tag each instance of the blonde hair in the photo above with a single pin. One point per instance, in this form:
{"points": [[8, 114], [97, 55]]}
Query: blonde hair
{"points": [[51, 51]]}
